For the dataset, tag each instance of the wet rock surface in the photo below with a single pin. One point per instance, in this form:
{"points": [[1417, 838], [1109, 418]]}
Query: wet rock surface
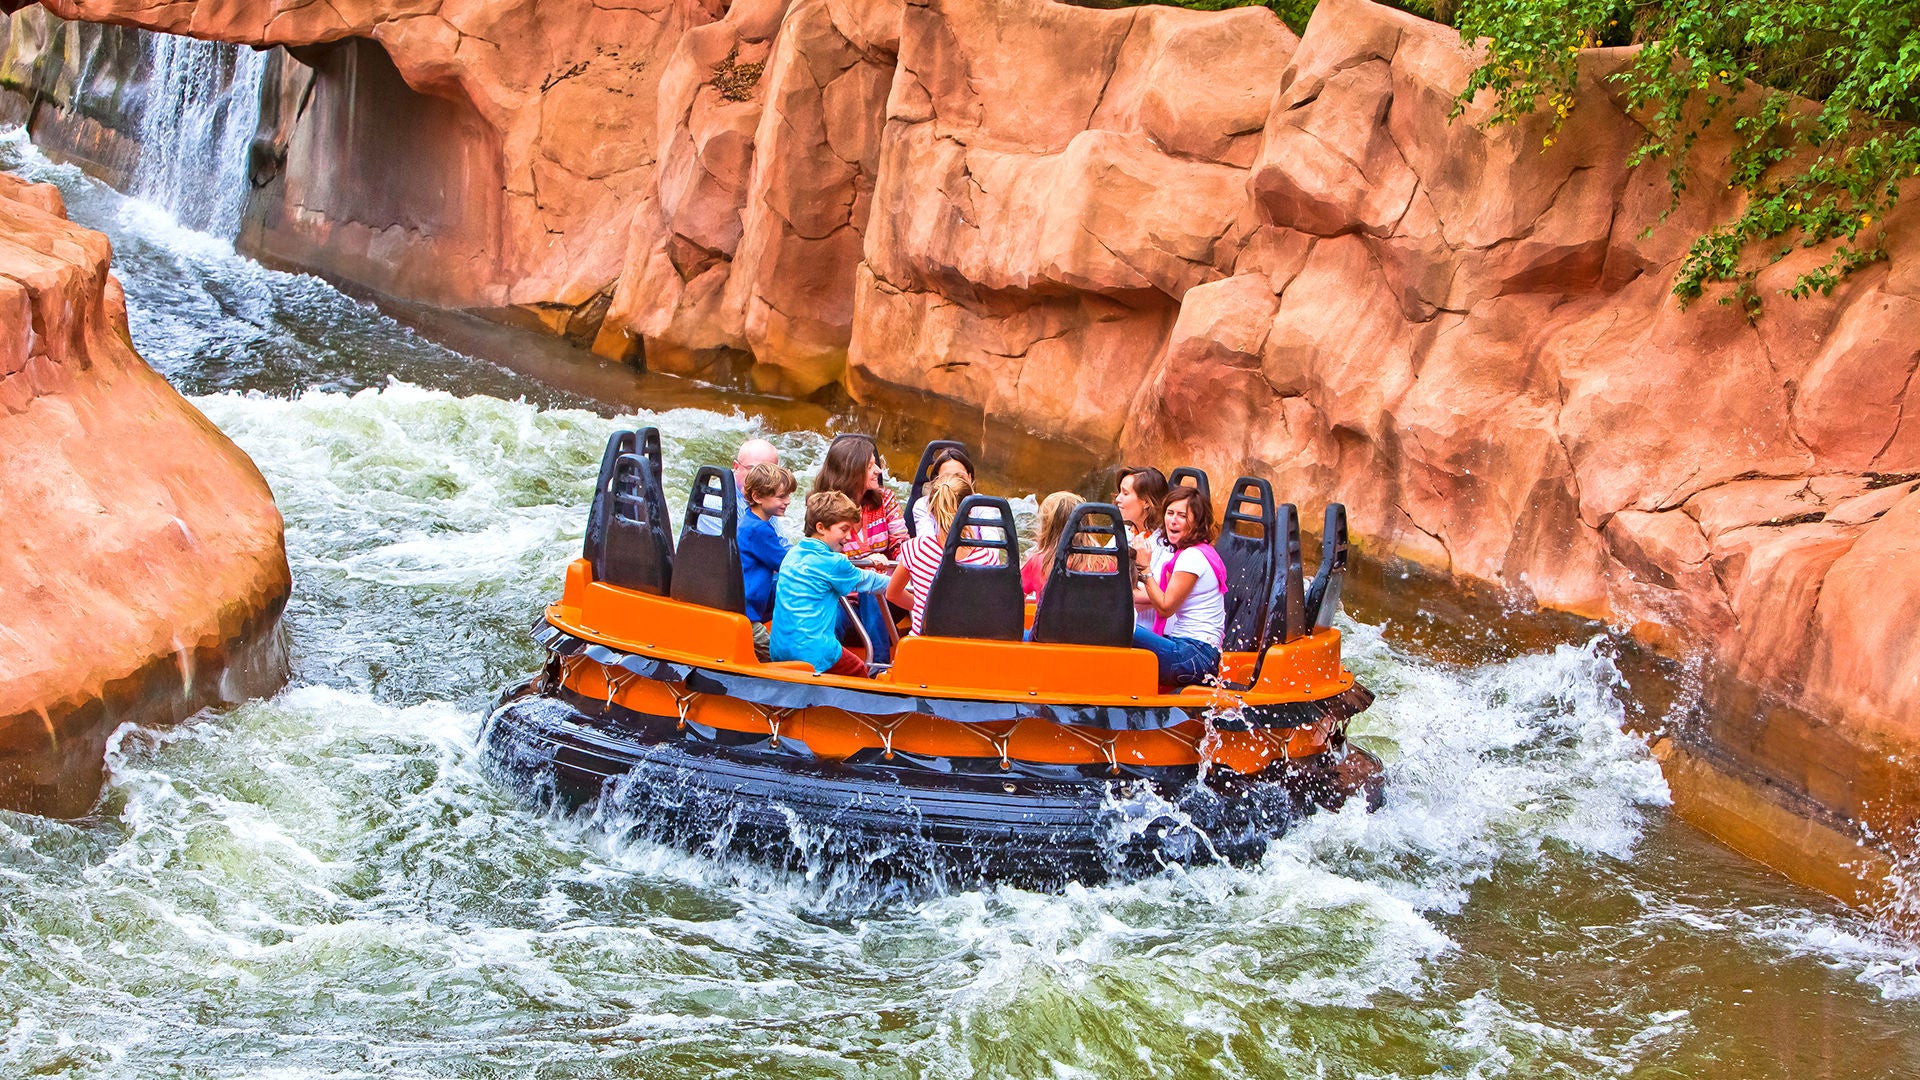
{"points": [[142, 570]]}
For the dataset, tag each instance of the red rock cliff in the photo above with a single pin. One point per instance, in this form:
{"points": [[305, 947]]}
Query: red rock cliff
{"points": [[1188, 236], [142, 571]]}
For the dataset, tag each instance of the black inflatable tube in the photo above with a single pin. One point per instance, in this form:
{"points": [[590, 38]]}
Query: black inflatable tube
{"points": [[959, 819]]}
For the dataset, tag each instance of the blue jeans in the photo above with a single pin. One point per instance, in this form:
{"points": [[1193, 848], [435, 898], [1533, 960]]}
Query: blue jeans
{"points": [[1183, 661], [874, 616]]}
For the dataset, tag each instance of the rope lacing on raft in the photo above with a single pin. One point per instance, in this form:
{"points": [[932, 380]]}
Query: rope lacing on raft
{"points": [[773, 717], [616, 682], [683, 699], [1104, 745], [885, 731]]}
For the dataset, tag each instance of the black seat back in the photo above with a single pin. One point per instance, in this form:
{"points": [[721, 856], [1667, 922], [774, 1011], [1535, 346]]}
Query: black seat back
{"points": [[1089, 607], [1286, 609], [1323, 596], [1197, 479], [707, 570], [978, 601], [923, 475], [1247, 549], [650, 449], [635, 550], [620, 442]]}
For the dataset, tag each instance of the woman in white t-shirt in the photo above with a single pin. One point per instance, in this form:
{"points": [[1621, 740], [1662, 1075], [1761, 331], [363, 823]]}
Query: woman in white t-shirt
{"points": [[950, 461], [1184, 584]]}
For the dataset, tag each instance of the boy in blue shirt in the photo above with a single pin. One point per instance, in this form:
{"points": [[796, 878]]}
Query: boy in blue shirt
{"points": [[806, 603], [767, 490]]}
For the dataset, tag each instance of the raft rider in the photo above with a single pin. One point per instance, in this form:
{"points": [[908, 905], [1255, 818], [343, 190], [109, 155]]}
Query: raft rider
{"points": [[755, 451], [813, 578]]}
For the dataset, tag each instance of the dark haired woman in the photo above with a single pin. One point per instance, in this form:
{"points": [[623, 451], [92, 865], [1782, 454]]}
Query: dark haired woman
{"points": [[1185, 585], [1141, 494], [947, 461], [852, 467]]}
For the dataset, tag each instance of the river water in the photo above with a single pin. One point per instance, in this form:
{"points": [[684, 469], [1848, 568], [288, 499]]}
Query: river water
{"points": [[327, 884]]}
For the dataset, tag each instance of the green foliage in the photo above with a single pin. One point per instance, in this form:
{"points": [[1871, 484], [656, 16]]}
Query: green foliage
{"points": [[1821, 98]]}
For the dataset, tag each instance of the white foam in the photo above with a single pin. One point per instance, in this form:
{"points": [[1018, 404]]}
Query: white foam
{"points": [[1873, 955], [1489, 764]]}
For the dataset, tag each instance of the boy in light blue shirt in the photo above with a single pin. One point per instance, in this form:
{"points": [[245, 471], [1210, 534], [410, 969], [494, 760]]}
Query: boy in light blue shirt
{"points": [[813, 578]]}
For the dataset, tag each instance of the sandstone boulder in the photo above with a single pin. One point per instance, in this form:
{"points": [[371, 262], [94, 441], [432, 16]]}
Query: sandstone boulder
{"points": [[1865, 649], [142, 571]]}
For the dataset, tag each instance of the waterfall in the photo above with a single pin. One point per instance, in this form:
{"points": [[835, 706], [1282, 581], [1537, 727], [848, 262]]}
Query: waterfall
{"points": [[203, 102]]}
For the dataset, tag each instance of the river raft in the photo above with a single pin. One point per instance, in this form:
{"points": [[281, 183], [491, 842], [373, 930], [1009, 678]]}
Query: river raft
{"points": [[976, 755]]}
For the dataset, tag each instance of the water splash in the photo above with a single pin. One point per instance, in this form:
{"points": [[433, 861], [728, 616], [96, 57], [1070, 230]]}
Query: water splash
{"points": [[203, 103], [1896, 897]]}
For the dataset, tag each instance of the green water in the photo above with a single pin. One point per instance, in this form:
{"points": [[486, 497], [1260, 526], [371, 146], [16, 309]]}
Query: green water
{"points": [[327, 885]]}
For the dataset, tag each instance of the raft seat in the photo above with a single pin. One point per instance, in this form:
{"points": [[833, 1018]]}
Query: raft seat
{"points": [[967, 601], [707, 558], [923, 475], [633, 548], [653, 622], [1323, 595], [644, 444], [1192, 477], [1247, 548], [1091, 606]]}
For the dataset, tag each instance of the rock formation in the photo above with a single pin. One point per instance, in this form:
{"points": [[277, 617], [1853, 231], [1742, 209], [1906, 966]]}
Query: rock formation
{"points": [[142, 571], [1185, 237], [1193, 238]]}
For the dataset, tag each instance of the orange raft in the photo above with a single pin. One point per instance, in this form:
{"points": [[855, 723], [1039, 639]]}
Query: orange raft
{"points": [[1005, 759]]}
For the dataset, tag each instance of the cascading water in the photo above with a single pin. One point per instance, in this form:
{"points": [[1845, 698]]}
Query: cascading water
{"points": [[326, 885], [202, 105]]}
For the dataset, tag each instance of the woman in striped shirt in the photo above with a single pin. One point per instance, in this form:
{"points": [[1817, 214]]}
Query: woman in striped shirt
{"points": [[920, 558]]}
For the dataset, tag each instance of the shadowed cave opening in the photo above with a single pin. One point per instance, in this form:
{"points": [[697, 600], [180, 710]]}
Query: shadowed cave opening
{"points": [[358, 176]]}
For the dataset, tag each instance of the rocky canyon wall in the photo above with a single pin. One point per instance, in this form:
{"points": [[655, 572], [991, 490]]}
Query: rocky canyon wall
{"points": [[76, 87], [142, 570], [1186, 237]]}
